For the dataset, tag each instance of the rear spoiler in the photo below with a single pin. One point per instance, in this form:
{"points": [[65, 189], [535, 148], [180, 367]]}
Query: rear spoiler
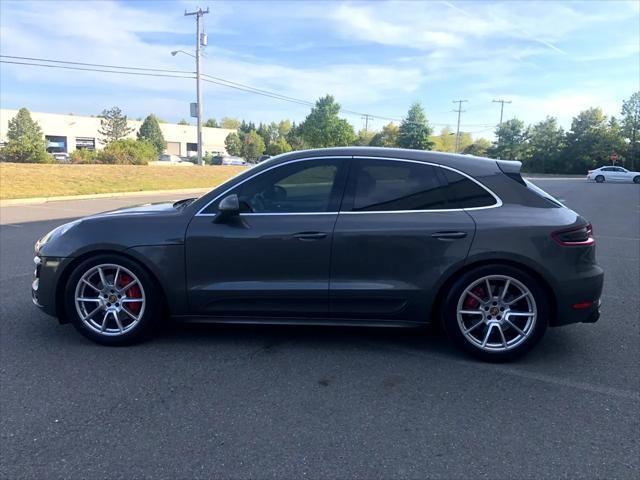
{"points": [[511, 169]]}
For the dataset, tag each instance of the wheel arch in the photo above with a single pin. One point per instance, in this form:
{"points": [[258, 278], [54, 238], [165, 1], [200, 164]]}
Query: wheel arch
{"points": [[436, 308], [71, 266]]}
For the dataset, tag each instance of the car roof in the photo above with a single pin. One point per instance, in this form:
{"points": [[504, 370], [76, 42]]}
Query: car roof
{"points": [[466, 163]]}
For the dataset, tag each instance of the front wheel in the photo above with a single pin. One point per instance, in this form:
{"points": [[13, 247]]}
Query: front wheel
{"points": [[599, 179], [112, 300], [496, 313]]}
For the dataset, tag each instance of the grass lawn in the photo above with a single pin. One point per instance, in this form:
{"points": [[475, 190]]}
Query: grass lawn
{"points": [[24, 180]]}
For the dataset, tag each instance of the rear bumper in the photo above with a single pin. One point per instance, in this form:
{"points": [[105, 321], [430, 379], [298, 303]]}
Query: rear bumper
{"points": [[579, 299]]}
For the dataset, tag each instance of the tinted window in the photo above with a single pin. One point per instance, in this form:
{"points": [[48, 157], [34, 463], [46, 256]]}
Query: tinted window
{"points": [[384, 185], [465, 193], [294, 188]]}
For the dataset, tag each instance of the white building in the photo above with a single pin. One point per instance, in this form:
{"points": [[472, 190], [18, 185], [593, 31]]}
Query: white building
{"points": [[65, 133]]}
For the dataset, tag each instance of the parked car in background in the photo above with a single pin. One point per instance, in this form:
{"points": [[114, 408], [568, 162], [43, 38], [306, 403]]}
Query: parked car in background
{"points": [[61, 157], [169, 159], [613, 174], [345, 236], [230, 160]]}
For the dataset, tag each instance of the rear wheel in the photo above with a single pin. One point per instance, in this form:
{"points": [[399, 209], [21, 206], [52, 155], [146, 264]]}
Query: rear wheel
{"points": [[496, 313], [599, 179], [112, 300], [636, 179]]}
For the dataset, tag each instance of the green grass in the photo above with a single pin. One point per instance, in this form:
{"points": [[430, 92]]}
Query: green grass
{"points": [[24, 180]]}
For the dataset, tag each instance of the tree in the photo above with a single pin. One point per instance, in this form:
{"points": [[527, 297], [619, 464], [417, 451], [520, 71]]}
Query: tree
{"points": [[113, 125], [591, 141], [183, 122], [294, 138], [233, 144], [252, 146], [364, 137], [211, 123], [25, 142], [631, 129], [510, 144], [478, 148], [231, 123], [284, 127], [414, 130], [546, 144], [278, 146], [128, 152], [150, 131], [446, 141], [323, 128], [388, 137]]}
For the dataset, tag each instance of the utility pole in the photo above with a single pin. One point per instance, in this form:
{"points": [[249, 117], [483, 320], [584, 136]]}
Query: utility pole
{"points": [[198, 13], [366, 118], [459, 110], [501, 102]]}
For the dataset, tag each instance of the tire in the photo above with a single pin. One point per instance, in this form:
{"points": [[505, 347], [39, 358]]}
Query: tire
{"points": [[636, 179], [132, 307], [512, 331], [599, 179]]}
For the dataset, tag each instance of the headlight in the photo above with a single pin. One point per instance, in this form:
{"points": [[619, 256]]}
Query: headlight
{"points": [[57, 232]]}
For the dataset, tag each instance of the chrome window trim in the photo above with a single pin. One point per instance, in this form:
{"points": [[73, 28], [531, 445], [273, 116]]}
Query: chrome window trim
{"points": [[437, 210]]}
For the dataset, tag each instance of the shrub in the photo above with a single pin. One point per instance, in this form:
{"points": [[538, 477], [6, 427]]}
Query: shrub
{"points": [[83, 155], [128, 152]]}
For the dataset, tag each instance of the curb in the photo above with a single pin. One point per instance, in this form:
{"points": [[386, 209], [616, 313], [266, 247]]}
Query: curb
{"points": [[144, 193]]}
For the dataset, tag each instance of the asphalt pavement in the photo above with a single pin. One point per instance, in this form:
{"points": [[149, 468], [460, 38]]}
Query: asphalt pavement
{"points": [[206, 401]]}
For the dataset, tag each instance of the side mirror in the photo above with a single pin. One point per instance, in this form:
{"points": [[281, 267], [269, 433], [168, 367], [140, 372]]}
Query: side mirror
{"points": [[228, 207]]}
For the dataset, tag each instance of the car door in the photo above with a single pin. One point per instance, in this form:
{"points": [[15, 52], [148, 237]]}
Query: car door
{"points": [[273, 258], [396, 234], [622, 175]]}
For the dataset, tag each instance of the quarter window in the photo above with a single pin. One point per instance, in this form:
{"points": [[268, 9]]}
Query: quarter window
{"points": [[383, 185], [465, 193]]}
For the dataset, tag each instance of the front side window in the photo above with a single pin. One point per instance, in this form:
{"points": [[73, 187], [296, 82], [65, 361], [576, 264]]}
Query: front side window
{"points": [[299, 187], [385, 185]]}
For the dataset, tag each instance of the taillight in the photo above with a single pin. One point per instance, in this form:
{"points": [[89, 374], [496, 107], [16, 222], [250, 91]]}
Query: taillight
{"points": [[575, 237]]}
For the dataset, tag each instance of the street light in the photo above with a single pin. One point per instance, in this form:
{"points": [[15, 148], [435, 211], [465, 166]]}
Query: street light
{"points": [[198, 96], [175, 52]]}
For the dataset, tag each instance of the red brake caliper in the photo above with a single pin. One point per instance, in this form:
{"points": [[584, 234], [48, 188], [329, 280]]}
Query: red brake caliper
{"points": [[133, 292], [470, 302]]}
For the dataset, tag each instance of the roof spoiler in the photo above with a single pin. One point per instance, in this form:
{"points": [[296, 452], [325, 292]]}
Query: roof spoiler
{"points": [[511, 169]]}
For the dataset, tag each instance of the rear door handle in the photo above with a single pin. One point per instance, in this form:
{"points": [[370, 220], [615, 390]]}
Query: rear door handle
{"points": [[449, 235], [308, 236]]}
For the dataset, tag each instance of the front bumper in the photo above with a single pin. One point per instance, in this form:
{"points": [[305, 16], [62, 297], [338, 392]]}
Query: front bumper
{"points": [[44, 285]]}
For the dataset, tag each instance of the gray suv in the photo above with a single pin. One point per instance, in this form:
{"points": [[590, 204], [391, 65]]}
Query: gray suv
{"points": [[344, 236]]}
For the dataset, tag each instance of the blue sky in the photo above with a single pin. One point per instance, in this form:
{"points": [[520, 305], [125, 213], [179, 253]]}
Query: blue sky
{"points": [[548, 58]]}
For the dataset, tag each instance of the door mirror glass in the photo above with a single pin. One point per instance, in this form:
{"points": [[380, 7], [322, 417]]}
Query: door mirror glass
{"points": [[228, 207]]}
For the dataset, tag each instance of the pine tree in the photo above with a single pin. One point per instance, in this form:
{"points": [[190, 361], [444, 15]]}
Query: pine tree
{"points": [[415, 130], [25, 141], [113, 125], [150, 131]]}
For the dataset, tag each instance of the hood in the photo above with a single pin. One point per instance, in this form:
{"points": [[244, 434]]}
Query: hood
{"points": [[144, 209]]}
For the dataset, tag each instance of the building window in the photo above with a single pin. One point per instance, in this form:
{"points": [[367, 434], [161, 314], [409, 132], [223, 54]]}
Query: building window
{"points": [[56, 144], [87, 143], [192, 149]]}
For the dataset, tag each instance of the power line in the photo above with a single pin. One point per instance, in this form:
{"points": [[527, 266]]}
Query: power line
{"points": [[95, 70], [157, 72]]}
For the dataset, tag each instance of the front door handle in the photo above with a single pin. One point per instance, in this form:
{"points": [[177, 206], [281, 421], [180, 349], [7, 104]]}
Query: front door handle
{"points": [[449, 235], [308, 236]]}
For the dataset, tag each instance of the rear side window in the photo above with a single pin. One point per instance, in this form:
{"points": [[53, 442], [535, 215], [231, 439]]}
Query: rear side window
{"points": [[385, 185], [463, 192]]}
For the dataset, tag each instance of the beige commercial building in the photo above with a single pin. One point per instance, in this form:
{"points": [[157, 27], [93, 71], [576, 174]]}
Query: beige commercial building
{"points": [[65, 133]]}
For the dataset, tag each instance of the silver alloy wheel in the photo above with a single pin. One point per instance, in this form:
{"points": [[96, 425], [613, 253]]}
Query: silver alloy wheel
{"points": [[110, 299], [496, 313]]}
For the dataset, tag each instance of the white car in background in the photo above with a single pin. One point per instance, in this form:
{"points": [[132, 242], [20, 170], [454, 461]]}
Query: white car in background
{"points": [[613, 174]]}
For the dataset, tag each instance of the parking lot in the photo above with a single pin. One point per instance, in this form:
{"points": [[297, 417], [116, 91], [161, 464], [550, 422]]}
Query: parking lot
{"points": [[204, 401]]}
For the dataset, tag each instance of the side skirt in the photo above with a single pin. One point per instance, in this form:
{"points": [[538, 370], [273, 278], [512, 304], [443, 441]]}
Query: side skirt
{"points": [[333, 322]]}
